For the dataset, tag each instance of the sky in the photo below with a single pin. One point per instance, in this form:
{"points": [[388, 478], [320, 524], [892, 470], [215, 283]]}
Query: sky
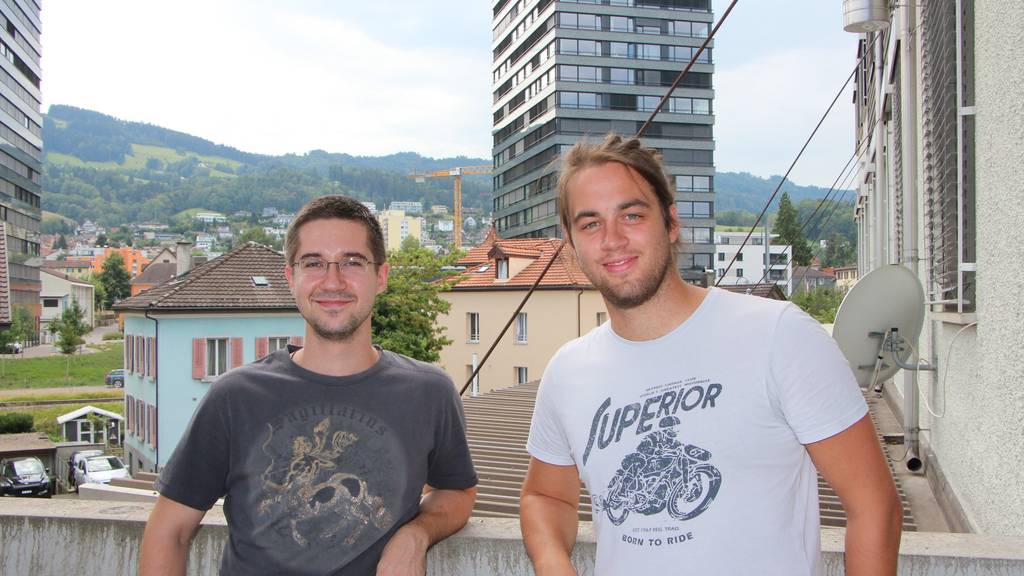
{"points": [[375, 78]]}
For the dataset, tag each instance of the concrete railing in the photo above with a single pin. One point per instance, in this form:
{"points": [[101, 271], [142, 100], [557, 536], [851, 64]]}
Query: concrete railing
{"points": [[102, 538]]}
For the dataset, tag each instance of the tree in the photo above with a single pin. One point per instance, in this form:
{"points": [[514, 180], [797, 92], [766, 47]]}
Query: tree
{"points": [[101, 240], [69, 328], [821, 303], [61, 243], [788, 229], [117, 284], [405, 315], [259, 236], [839, 251]]}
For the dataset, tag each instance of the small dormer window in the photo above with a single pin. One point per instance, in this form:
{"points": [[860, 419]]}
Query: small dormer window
{"points": [[502, 269]]}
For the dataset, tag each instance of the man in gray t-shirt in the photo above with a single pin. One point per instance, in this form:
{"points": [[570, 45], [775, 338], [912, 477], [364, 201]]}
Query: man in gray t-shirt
{"points": [[322, 452]]}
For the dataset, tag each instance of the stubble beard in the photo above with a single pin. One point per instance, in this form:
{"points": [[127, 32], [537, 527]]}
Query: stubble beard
{"points": [[640, 291], [337, 333]]}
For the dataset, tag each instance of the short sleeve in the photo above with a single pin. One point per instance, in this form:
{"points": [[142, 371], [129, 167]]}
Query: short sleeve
{"points": [[547, 441], [450, 463], [196, 473], [811, 380]]}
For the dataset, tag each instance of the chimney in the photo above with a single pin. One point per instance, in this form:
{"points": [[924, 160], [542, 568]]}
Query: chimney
{"points": [[183, 257]]}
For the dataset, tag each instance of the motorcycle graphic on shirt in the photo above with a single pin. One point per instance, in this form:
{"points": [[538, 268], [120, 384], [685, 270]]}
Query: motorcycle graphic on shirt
{"points": [[662, 474]]}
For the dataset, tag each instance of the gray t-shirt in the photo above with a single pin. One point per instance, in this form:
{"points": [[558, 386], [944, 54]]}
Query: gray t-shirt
{"points": [[317, 472]]}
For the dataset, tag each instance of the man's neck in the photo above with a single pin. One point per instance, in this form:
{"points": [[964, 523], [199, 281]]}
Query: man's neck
{"points": [[336, 358], [674, 302]]}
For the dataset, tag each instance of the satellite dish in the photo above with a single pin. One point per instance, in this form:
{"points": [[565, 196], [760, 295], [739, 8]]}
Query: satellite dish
{"points": [[881, 313]]}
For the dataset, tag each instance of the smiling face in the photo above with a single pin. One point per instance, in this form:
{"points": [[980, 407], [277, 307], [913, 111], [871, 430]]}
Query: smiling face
{"points": [[619, 234], [337, 305]]}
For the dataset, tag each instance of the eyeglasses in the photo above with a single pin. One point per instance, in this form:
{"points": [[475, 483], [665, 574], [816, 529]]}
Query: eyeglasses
{"points": [[354, 266]]}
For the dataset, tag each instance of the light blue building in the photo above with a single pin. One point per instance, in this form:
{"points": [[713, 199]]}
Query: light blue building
{"points": [[182, 334]]}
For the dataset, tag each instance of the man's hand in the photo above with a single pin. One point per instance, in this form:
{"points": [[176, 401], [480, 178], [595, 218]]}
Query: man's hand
{"points": [[167, 537], [442, 513]]}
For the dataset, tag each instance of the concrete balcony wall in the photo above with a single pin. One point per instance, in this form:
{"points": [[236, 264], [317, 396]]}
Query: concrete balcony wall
{"points": [[101, 538]]}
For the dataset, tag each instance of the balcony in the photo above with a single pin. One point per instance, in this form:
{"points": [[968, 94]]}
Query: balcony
{"points": [[102, 537]]}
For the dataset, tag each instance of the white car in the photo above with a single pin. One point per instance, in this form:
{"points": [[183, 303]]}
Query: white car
{"points": [[99, 470]]}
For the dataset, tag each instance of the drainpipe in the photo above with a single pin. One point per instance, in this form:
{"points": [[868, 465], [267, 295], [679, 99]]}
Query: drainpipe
{"points": [[156, 382], [908, 113]]}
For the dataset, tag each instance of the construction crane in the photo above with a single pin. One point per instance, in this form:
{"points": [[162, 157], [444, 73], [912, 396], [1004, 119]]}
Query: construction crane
{"points": [[457, 174]]}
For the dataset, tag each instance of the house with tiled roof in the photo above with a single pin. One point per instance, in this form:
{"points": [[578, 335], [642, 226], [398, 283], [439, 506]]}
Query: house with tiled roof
{"points": [[485, 295], [58, 292], [182, 334]]}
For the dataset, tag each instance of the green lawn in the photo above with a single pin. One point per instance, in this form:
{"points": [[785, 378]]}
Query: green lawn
{"points": [[83, 369], [106, 395]]}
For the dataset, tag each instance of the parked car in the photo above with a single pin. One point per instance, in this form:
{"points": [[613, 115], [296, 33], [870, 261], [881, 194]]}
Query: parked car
{"points": [[99, 470], [115, 378], [24, 477]]}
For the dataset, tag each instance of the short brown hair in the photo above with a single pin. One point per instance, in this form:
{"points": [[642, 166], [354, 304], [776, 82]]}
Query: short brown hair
{"points": [[626, 151], [342, 208]]}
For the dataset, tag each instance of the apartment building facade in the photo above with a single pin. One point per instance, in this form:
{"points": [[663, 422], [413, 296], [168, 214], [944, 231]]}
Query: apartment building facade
{"points": [[748, 263], [21, 143], [568, 70], [938, 118]]}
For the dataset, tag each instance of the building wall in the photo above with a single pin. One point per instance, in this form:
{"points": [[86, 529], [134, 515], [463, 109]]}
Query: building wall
{"points": [[396, 226], [54, 287], [554, 317], [978, 442], [728, 244], [134, 260], [972, 408], [179, 394]]}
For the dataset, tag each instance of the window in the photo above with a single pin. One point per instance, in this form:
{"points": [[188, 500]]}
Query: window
{"points": [[473, 327], [216, 356], [739, 256], [502, 269], [721, 256], [602, 317], [276, 343], [521, 328], [51, 302], [739, 272], [522, 375], [721, 272]]}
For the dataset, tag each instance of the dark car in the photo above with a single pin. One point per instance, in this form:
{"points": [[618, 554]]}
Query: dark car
{"points": [[24, 477], [115, 378]]}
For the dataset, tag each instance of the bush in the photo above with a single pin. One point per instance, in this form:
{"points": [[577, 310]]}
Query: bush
{"points": [[15, 422], [113, 336]]}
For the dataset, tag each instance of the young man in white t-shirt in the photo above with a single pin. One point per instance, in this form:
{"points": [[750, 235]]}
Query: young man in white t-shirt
{"points": [[697, 418]]}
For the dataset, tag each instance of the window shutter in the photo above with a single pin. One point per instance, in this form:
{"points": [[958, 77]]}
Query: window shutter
{"points": [[198, 358], [152, 356], [296, 340], [147, 368], [236, 352], [156, 428], [129, 358], [151, 433], [129, 409], [262, 347], [139, 366]]}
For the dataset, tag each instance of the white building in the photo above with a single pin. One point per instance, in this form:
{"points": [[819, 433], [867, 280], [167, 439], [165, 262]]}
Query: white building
{"points": [[749, 266], [371, 206], [56, 295], [407, 206], [211, 217], [941, 138]]}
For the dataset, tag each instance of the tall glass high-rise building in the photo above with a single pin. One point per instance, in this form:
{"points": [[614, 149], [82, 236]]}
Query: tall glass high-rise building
{"points": [[565, 70], [21, 143]]}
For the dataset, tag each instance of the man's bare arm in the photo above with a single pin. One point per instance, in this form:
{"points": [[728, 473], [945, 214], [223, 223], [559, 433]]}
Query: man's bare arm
{"points": [[166, 540], [442, 513], [548, 516], [853, 464]]}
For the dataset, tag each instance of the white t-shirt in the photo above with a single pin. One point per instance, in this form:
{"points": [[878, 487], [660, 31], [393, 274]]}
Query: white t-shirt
{"points": [[692, 445]]}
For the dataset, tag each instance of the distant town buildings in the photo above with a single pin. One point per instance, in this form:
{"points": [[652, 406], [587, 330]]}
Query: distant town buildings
{"points": [[371, 206], [21, 137], [409, 207], [396, 227], [563, 70], [439, 209], [211, 217]]}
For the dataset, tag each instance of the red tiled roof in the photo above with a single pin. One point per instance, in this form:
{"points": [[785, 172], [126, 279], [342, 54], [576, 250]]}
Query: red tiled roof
{"points": [[564, 272], [66, 264], [478, 254], [224, 283]]}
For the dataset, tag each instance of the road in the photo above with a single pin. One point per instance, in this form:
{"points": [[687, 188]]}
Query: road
{"points": [[93, 337]]}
